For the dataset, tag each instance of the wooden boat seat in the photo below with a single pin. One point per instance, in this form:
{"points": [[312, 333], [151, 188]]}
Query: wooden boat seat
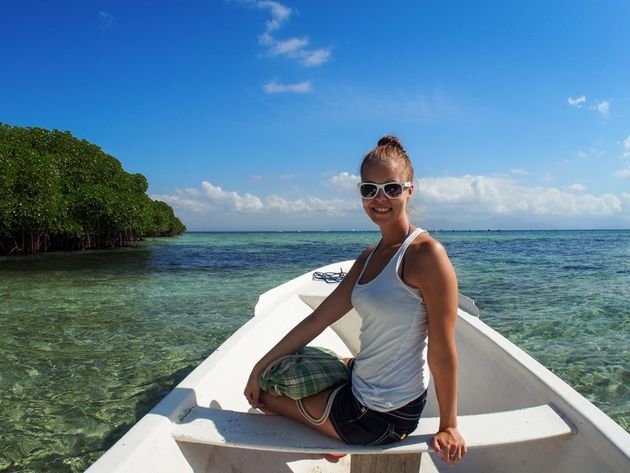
{"points": [[275, 433]]}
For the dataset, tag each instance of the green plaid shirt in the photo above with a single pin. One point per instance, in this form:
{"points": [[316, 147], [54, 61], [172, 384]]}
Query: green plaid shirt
{"points": [[304, 373]]}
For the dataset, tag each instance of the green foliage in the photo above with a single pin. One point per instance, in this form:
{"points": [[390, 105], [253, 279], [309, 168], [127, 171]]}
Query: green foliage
{"points": [[163, 220], [58, 192]]}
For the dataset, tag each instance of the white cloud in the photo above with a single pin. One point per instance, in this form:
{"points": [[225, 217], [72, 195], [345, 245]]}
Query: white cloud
{"points": [[279, 14], [314, 57], [577, 101], [603, 108], [625, 173], [288, 176], [188, 199], [309, 205], [231, 200], [214, 200], [344, 180], [547, 177], [589, 153], [211, 198], [274, 87], [501, 196], [293, 48], [520, 172], [105, 20], [289, 47], [457, 201]]}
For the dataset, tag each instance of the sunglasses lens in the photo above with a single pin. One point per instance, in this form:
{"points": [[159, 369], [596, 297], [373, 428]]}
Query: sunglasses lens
{"points": [[368, 191], [393, 190]]}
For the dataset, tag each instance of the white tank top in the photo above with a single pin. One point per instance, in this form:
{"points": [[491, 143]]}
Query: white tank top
{"points": [[391, 368]]}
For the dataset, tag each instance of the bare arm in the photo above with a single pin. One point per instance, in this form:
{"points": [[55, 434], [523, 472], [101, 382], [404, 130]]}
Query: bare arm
{"points": [[437, 282], [335, 306]]}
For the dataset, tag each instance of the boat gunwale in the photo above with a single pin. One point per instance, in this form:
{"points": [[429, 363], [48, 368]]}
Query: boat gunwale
{"points": [[606, 426]]}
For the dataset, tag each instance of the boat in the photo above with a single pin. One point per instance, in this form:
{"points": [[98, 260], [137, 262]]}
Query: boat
{"points": [[515, 414]]}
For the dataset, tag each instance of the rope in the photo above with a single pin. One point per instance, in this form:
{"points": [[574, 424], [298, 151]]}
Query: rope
{"points": [[331, 277], [326, 413]]}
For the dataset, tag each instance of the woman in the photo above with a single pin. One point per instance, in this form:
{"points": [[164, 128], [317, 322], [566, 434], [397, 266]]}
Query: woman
{"points": [[405, 290]]}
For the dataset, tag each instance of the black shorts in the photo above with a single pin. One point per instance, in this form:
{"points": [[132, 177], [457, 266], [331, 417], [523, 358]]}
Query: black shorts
{"points": [[357, 425]]}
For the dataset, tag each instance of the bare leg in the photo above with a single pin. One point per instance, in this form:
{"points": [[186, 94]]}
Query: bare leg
{"points": [[314, 405]]}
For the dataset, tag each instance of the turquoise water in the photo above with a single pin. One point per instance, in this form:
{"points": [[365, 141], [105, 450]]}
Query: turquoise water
{"points": [[91, 341]]}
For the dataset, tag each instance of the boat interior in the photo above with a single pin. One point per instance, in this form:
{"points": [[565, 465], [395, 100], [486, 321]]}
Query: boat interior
{"points": [[495, 376]]}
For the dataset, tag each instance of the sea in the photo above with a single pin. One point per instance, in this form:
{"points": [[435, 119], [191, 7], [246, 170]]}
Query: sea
{"points": [[91, 341]]}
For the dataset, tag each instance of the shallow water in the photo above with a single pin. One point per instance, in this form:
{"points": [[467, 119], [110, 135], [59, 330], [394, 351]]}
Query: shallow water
{"points": [[91, 341]]}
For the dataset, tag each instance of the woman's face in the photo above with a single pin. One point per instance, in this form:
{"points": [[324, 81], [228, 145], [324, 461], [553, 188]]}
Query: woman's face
{"points": [[381, 209]]}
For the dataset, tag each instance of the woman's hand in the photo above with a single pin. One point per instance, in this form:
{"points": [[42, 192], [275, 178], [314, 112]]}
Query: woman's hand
{"points": [[252, 389], [450, 444]]}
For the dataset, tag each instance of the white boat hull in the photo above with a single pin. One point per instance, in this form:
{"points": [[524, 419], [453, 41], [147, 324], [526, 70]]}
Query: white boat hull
{"points": [[495, 375]]}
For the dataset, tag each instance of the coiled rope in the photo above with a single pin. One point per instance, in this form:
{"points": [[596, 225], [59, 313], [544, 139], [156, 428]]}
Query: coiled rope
{"points": [[330, 277]]}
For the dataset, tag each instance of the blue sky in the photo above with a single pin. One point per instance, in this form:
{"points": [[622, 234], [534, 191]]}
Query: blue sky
{"points": [[256, 114]]}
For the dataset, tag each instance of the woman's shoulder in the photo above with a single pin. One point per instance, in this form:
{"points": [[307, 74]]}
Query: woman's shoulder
{"points": [[426, 250], [365, 253], [429, 265]]}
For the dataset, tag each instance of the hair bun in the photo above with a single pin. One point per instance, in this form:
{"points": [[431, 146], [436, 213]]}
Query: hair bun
{"points": [[391, 140]]}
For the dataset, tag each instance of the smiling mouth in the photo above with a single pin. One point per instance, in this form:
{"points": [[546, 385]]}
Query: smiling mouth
{"points": [[381, 210]]}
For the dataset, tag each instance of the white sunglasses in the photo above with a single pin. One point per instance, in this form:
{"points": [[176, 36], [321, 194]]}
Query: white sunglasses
{"points": [[393, 190]]}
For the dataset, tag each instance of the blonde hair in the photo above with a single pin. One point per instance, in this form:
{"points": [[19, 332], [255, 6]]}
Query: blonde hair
{"points": [[389, 148]]}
